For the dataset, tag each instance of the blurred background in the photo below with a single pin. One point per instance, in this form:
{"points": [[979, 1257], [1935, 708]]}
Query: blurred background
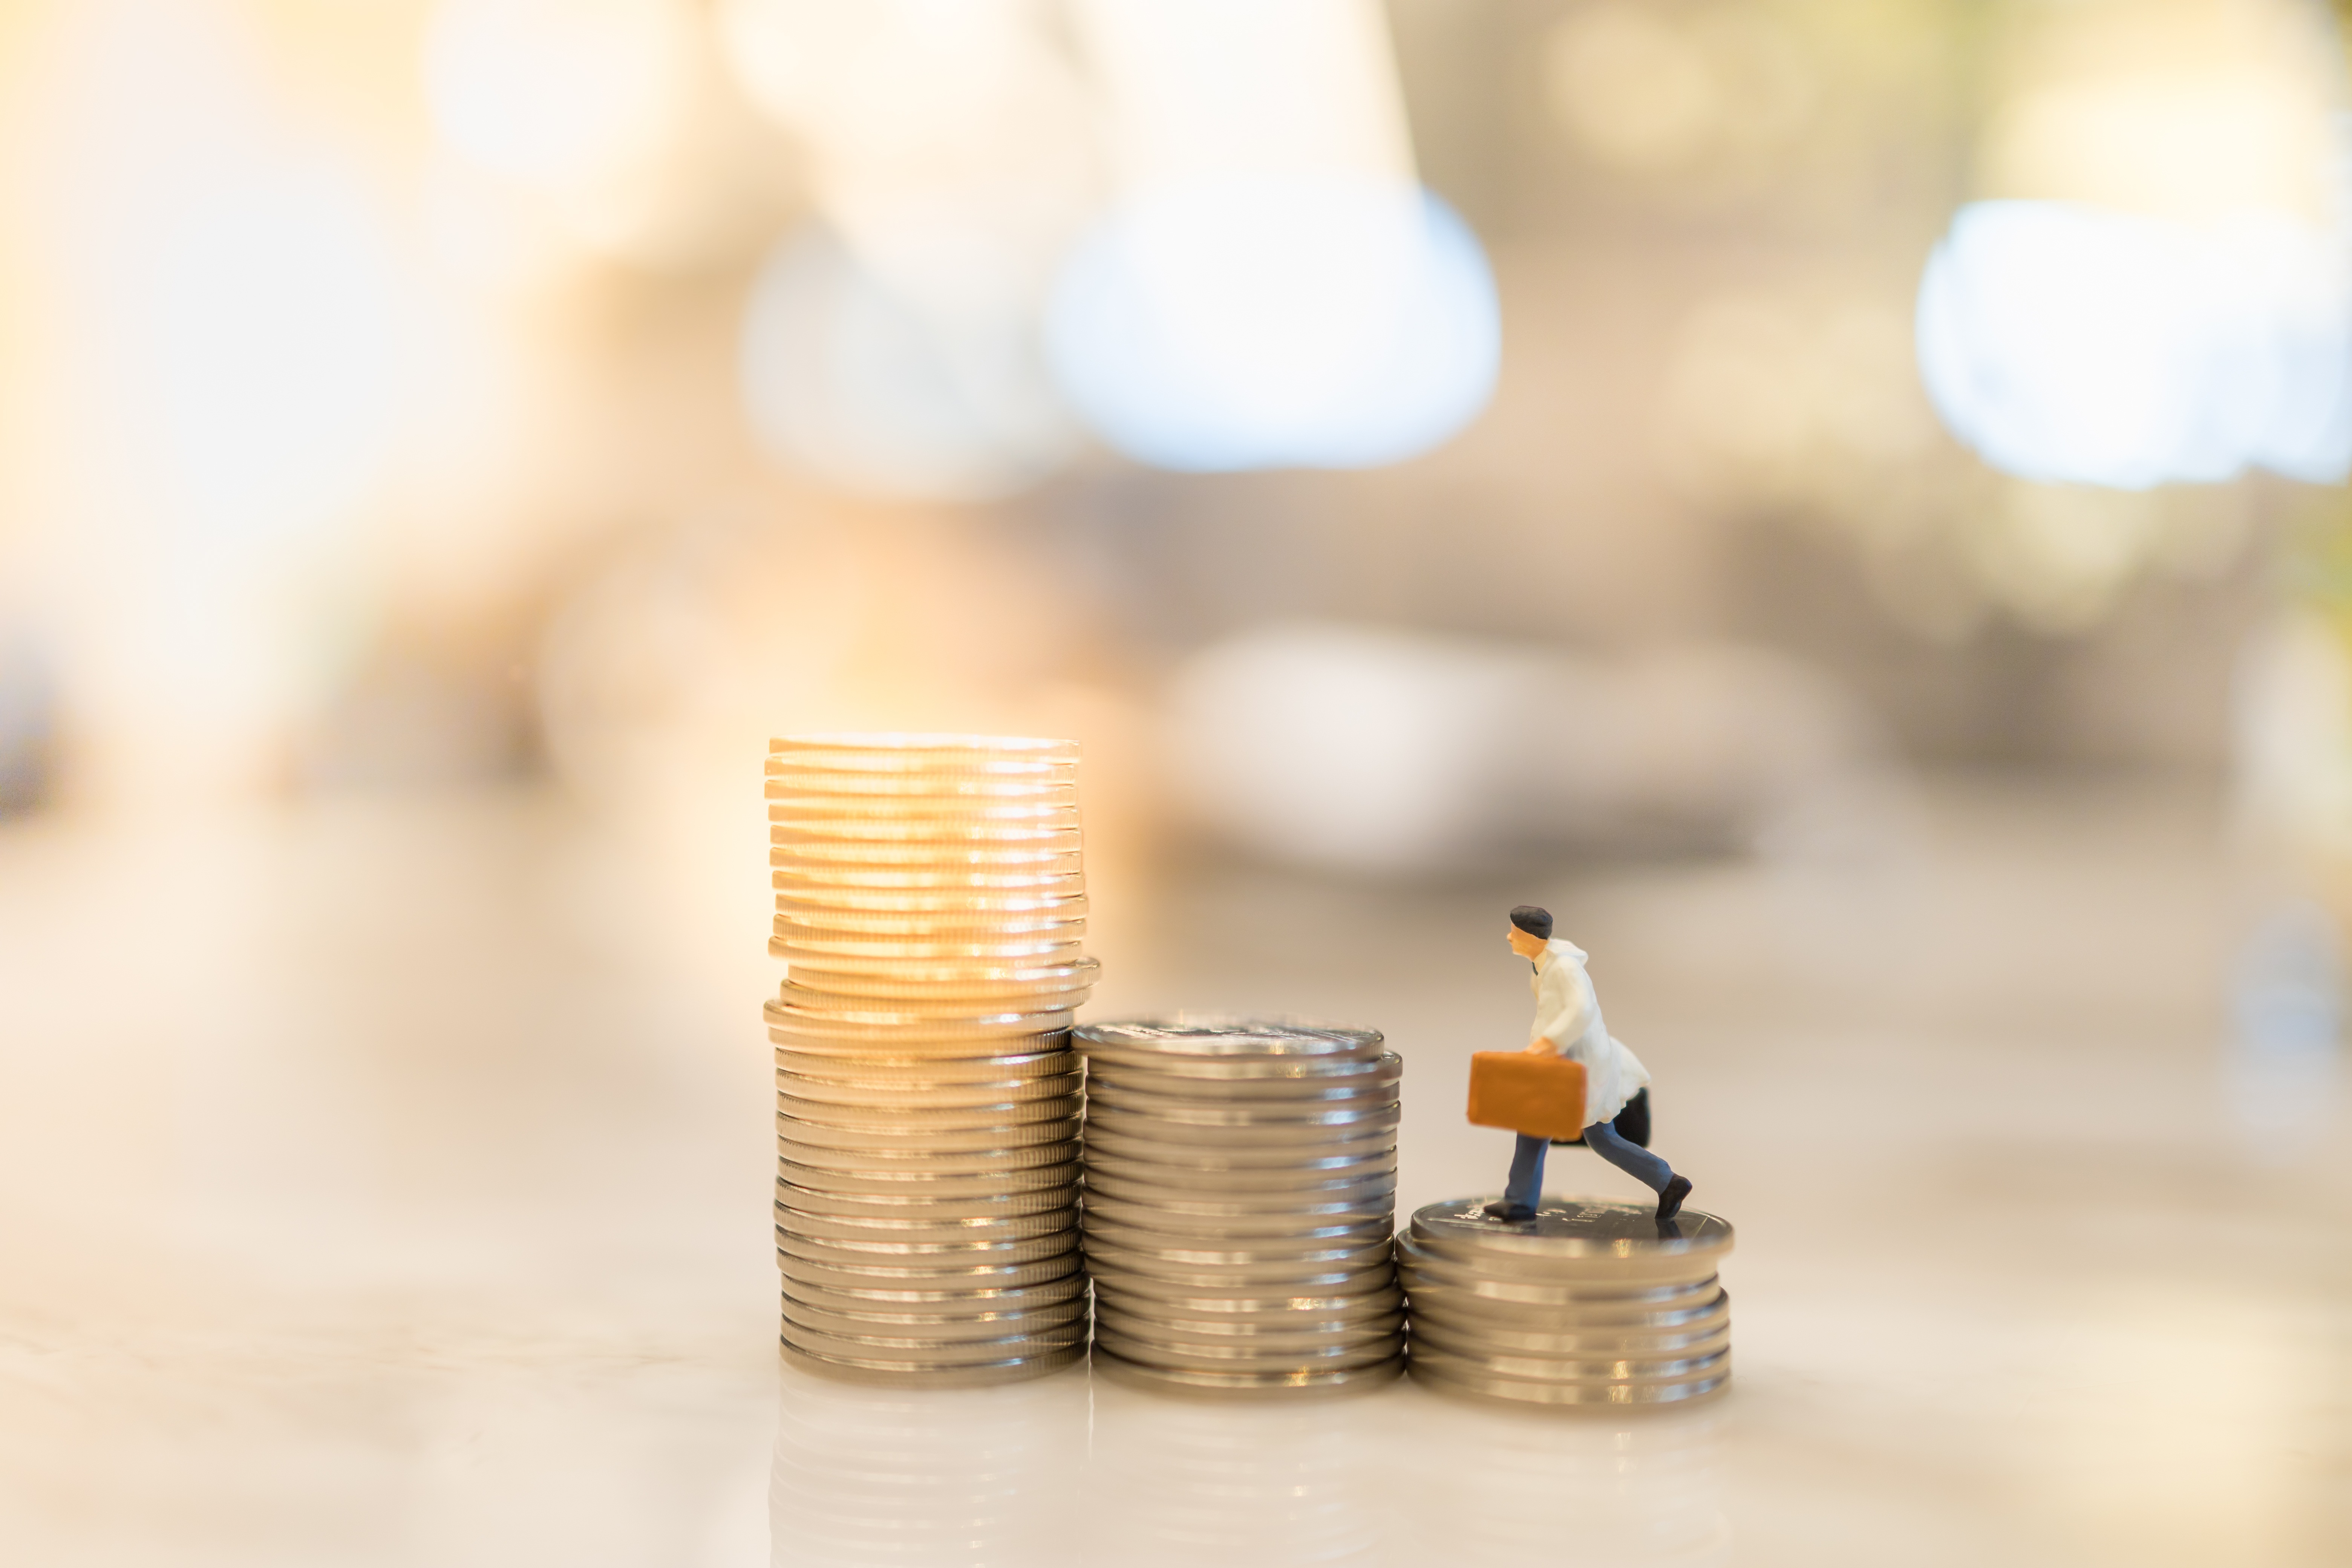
{"points": [[1844, 501]]}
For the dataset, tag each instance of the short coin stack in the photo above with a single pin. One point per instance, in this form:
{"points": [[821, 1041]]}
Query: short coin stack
{"points": [[1588, 1303], [931, 902], [1240, 1196]]}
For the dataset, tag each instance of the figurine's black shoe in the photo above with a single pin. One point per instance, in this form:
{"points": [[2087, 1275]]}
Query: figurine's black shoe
{"points": [[1514, 1213], [1670, 1201]]}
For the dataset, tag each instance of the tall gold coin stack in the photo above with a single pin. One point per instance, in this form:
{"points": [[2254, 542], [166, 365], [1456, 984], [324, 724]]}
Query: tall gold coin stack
{"points": [[930, 903], [1240, 1197], [1589, 1303]]}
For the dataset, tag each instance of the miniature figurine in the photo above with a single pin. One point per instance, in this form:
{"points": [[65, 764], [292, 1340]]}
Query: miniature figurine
{"points": [[1568, 1024]]}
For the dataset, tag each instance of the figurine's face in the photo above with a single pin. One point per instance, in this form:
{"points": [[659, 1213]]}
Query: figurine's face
{"points": [[1527, 945]]}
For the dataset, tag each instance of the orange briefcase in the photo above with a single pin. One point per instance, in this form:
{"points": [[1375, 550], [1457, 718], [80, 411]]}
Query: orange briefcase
{"points": [[1541, 1096]]}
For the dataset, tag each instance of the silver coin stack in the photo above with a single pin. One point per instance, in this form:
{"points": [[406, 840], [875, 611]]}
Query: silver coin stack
{"points": [[1240, 1195], [1589, 1303], [931, 902]]}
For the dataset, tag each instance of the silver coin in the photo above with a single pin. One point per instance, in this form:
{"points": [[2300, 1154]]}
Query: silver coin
{"points": [[937, 1329], [930, 1353], [925, 993], [1238, 1219], [1470, 1311], [1190, 1252], [1243, 1277], [834, 1008], [974, 1163], [1056, 945], [1209, 1075], [1206, 1111], [1548, 1368], [1193, 1196], [1182, 1193], [910, 793], [925, 1275], [792, 823], [932, 1073], [927, 1205], [1217, 1180], [1151, 1089], [1568, 1229], [891, 1375], [1578, 1353], [1282, 1154], [1285, 1115], [1592, 1294], [1218, 1358], [906, 1112], [795, 896], [1451, 1377], [922, 1097], [1141, 1120], [1184, 1344], [991, 1228], [830, 1015], [1309, 1334], [894, 802], [895, 977], [1261, 1230], [1230, 1384], [996, 1183], [1246, 1076], [1179, 1344], [924, 1141], [1219, 1037], [1320, 1137], [945, 1254], [1114, 1277], [923, 821], [915, 1119], [1054, 1294], [925, 1278], [974, 1058], [789, 1026], [1590, 1275], [800, 926], [792, 874], [1633, 1273], [928, 916], [1167, 1301]]}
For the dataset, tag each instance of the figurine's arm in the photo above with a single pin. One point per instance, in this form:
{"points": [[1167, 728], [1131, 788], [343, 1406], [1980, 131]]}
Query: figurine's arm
{"points": [[1563, 1011]]}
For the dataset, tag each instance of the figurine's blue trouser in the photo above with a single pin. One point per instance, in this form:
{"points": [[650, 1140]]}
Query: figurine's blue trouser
{"points": [[1528, 1160]]}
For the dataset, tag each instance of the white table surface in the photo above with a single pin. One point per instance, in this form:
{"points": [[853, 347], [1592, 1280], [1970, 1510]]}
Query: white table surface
{"points": [[386, 1182]]}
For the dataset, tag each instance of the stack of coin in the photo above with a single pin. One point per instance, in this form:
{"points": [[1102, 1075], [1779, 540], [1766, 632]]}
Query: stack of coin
{"points": [[1240, 1195], [1591, 1302], [931, 902]]}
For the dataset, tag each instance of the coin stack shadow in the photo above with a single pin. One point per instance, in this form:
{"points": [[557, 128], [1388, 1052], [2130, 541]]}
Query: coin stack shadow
{"points": [[1587, 1304], [931, 902], [1240, 1195]]}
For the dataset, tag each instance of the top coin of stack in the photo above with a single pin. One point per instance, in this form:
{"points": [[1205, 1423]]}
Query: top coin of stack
{"points": [[1591, 1302], [1240, 1193], [930, 903]]}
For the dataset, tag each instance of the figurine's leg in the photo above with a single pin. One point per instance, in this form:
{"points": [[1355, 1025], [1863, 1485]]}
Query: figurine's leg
{"points": [[1526, 1188], [1628, 1157], [1643, 1166]]}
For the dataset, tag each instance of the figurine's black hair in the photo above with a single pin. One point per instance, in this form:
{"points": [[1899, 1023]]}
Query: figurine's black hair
{"points": [[1533, 920]]}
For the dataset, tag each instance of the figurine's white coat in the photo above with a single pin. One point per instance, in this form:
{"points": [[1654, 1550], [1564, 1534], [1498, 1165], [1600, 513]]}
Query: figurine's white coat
{"points": [[1568, 1024]]}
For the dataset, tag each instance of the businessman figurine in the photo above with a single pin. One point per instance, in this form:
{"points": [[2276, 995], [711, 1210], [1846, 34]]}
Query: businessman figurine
{"points": [[1568, 1024]]}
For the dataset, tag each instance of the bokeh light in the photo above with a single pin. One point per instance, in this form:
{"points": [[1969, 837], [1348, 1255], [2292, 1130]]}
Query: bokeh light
{"points": [[1278, 323], [2068, 343], [556, 92], [885, 392]]}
